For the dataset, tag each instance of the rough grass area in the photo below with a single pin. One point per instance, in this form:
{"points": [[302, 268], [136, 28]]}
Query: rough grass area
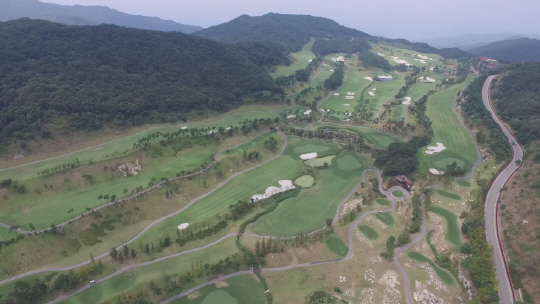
{"points": [[301, 61], [452, 230], [336, 245], [305, 181], [449, 194], [386, 218], [383, 202], [138, 279], [448, 130], [369, 232], [308, 210], [441, 273], [240, 289], [374, 138]]}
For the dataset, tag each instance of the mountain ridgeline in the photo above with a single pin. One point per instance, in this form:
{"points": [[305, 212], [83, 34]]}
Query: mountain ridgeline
{"points": [[294, 31], [513, 50], [86, 15], [91, 75]]}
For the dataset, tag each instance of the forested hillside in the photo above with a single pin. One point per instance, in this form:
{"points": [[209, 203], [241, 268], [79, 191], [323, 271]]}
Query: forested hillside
{"points": [[294, 31], [85, 15], [518, 100], [515, 50], [97, 74]]}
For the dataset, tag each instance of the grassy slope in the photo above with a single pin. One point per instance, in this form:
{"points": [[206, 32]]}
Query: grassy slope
{"points": [[375, 138], [448, 130], [356, 83], [302, 60]]}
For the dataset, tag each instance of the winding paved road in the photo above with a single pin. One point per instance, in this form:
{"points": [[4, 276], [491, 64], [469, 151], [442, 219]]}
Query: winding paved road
{"points": [[506, 290]]}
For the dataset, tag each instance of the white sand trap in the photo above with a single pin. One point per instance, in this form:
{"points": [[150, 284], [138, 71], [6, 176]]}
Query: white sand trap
{"points": [[183, 127], [369, 78], [346, 120], [431, 69], [307, 112], [183, 226], [228, 128], [351, 93], [336, 94], [407, 101], [380, 54], [291, 116], [331, 70], [427, 79], [438, 148], [435, 171], [371, 93], [308, 155], [346, 104], [285, 185], [349, 97], [211, 132], [310, 60], [374, 89]]}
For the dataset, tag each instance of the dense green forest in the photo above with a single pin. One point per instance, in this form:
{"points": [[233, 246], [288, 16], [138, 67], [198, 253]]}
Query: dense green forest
{"points": [[518, 100], [294, 31], [370, 59], [514, 50], [96, 74]]}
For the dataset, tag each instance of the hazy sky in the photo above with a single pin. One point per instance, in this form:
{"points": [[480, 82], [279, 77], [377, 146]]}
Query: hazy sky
{"points": [[410, 19]]}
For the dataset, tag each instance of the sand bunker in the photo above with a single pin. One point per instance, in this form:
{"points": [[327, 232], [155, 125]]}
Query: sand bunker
{"points": [[349, 97], [331, 70], [438, 148], [310, 60], [427, 79], [380, 54], [407, 101], [400, 61], [421, 61], [291, 116], [435, 171], [371, 93], [183, 226], [183, 127], [307, 112], [340, 58], [228, 128], [351, 93], [336, 94], [374, 89], [285, 185], [369, 78], [346, 104], [308, 155]]}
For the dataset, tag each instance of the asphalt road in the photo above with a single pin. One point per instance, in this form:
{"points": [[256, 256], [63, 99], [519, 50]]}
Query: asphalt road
{"points": [[506, 292]]}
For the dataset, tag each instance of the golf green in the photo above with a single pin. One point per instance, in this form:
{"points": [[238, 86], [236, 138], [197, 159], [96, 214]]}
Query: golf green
{"points": [[319, 162], [219, 297]]}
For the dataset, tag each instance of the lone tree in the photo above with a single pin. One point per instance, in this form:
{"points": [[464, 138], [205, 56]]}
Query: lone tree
{"points": [[113, 253], [328, 222]]}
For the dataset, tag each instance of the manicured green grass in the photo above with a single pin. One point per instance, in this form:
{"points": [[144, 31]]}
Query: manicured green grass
{"points": [[240, 289], [137, 279], [386, 218], [397, 193], [336, 245], [444, 275], [319, 161], [383, 202], [448, 130], [463, 183], [356, 83], [308, 210], [452, 230], [305, 181], [407, 55], [397, 114], [449, 194], [374, 138], [302, 61], [369, 232]]}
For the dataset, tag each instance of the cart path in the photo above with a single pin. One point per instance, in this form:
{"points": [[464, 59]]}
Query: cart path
{"points": [[145, 191]]}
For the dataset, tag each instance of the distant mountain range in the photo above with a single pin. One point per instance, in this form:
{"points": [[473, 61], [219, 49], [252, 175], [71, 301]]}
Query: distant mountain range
{"points": [[86, 15], [514, 50], [472, 40], [294, 31]]}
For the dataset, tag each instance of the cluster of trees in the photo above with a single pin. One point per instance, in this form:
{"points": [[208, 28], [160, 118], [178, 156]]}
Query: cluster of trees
{"points": [[119, 76], [239, 209], [476, 112], [271, 144], [354, 141], [124, 253], [419, 110], [336, 78], [265, 247], [409, 82], [191, 234], [372, 60], [518, 100], [400, 158], [390, 247]]}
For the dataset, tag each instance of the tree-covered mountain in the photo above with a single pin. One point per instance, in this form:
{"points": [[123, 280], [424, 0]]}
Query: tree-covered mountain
{"points": [[294, 31], [515, 50], [86, 15], [91, 75], [518, 100]]}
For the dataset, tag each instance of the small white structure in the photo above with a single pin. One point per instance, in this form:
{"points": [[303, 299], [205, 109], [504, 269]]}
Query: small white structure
{"points": [[308, 155], [183, 127], [285, 185], [435, 149], [183, 226], [435, 171], [307, 112]]}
